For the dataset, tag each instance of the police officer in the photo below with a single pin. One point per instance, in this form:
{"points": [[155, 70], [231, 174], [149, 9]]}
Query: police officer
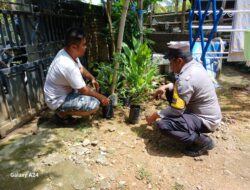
{"points": [[194, 108]]}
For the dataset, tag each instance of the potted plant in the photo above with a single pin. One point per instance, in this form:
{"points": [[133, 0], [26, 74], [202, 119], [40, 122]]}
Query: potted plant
{"points": [[139, 72], [104, 77]]}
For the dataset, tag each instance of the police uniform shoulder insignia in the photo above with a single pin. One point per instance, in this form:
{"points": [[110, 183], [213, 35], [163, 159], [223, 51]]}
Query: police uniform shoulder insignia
{"points": [[177, 102]]}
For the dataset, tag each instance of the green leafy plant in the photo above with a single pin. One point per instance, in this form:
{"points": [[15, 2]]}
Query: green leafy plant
{"points": [[143, 174], [138, 71], [104, 77]]}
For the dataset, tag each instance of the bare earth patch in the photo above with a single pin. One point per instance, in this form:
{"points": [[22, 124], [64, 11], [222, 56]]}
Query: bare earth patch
{"points": [[111, 154]]}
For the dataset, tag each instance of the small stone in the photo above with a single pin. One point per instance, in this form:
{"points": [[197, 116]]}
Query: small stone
{"points": [[101, 177], [103, 153], [198, 187], [227, 172], [103, 149], [86, 142], [122, 184], [133, 184], [149, 186], [198, 159], [96, 122], [218, 136], [224, 132], [223, 123], [94, 143], [241, 149], [79, 150], [111, 129], [102, 160], [225, 138]]}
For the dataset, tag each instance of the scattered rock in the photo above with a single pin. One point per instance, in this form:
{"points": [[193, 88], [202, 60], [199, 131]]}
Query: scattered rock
{"points": [[96, 122], [80, 161], [198, 187], [104, 185], [111, 129], [224, 138], [101, 159], [53, 159], [241, 149], [133, 184], [227, 172], [60, 184], [149, 186], [86, 142], [79, 150], [223, 123], [103, 149], [198, 158], [247, 127], [113, 161], [101, 177], [122, 184], [218, 136], [94, 143], [51, 138]]}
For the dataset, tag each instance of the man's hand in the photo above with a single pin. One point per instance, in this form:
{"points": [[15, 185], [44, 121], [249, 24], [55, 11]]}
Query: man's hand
{"points": [[162, 89], [95, 84], [152, 118], [104, 101]]}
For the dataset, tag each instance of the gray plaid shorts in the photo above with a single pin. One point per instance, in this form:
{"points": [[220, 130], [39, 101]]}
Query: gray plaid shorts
{"points": [[78, 102]]}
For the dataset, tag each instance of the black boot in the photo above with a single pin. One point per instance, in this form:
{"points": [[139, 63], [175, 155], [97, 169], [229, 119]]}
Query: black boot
{"points": [[200, 146]]}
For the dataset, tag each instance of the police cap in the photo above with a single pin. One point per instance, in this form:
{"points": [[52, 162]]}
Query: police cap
{"points": [[178, 50]]}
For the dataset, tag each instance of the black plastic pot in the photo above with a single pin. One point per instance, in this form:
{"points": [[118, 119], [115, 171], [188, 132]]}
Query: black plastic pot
{"points": [[134, 114], [126, 101], [107, 111]]}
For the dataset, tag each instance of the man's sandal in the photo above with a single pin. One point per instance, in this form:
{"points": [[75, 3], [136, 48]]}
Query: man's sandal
{"points": [[68, 120]]}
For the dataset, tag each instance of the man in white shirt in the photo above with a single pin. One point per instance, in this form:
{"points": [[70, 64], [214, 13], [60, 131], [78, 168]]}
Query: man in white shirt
{"points": [[65, 89]]}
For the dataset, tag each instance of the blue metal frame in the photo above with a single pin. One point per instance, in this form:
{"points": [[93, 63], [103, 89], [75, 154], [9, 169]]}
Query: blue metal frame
{"points": [[200, 32]]}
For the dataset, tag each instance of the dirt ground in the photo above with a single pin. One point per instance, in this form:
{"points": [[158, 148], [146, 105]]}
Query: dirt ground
{"points": [[111, 154]]}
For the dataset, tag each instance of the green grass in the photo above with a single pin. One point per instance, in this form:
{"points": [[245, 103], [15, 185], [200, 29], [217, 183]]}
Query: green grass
{"points": [[143, 174], [85, 128], [178, 186]]}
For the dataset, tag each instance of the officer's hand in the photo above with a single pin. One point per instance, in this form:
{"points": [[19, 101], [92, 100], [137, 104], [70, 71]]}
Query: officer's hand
{"points": [[151, 118], [104, 101], [96, 85], [159, 92]]}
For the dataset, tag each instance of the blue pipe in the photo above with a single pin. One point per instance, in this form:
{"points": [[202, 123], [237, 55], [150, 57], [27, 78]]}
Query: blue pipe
{"points": [[211, 34], [201, 29], [191, 17], [201, 22]]}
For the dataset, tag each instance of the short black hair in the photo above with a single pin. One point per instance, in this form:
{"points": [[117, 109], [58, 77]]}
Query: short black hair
{"points": [[74, 35]]}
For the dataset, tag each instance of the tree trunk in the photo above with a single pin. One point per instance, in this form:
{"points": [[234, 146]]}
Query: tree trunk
{"points": [[183, 19], [140, 3], [119, 43], [176, 9], [108, 12]]}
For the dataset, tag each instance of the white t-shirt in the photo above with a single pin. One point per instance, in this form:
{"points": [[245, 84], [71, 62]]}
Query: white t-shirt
{"points": [[63, 76]]}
